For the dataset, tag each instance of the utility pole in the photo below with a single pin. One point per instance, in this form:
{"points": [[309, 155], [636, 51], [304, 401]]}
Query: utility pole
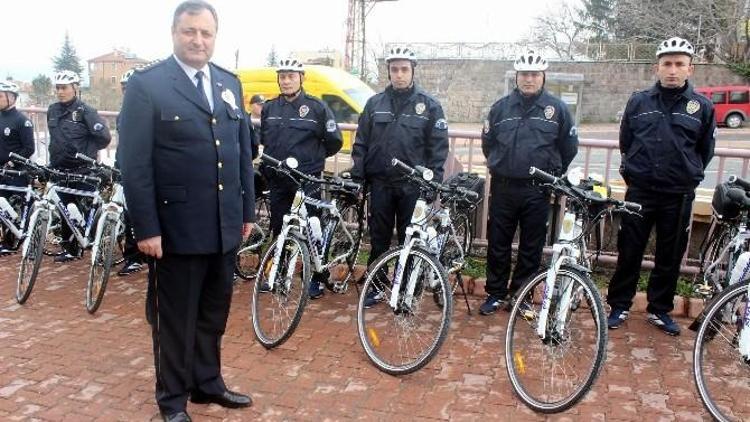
{"points": [[355, 54]]}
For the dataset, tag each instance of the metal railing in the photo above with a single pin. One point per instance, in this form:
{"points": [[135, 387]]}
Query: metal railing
{"points": [[594, 155]]}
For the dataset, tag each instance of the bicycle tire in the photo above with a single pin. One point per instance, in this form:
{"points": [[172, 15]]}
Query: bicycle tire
{"points": [[709, 333], [280, 293], [375, 337], [515, 358], [31, 260], [102, 261]]}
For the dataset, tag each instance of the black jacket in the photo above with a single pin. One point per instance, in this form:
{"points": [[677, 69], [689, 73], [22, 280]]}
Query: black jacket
{"points": [[16, 135], [415, 133], [543, 136], [304, 129], [187, 171], [74, 128], [667, 149]]}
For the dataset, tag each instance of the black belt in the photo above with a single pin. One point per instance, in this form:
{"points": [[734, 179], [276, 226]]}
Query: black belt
{"points": [[511, 181]]}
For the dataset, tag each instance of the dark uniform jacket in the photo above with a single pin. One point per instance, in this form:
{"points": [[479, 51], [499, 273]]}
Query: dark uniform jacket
{"points": [[543, 136], [16, 135], [667, 149], [304, 129], [187, 171], [75, 128], [414, 131]]}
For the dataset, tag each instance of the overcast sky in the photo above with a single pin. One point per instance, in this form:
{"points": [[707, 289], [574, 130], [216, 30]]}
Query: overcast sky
{"points": [[143, 27]]}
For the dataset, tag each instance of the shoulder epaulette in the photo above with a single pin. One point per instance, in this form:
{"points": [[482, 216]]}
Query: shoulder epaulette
{"points": [[148, 66], [225, 70]]}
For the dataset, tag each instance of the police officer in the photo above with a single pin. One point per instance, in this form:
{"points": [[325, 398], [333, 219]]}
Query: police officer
{"points": [[16, 135], [133, 257], [667, 138], [529, 127], [256, 107], [296, 124], [402, 122], [74, 127], [188, 178]]}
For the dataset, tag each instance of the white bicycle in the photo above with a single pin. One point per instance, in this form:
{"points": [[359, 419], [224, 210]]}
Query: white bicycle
{"points": [[403, 334], [721, 355], [556, 339]]}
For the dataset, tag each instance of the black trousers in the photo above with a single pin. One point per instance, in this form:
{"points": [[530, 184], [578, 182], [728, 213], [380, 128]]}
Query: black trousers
{"points": [[187, 305], [281, 196], [11, 196], [390, 205], [670, 214], [514, 204]]}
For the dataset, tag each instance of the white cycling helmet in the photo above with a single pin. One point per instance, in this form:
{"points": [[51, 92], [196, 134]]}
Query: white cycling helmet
{"points": [[290, 65], [531, 62], [65, 77], [401, 53], [7, 86], [127, 76], [675, 45]]}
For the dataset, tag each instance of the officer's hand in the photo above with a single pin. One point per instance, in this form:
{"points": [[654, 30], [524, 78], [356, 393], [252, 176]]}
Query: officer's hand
{"points": [[247, 229], [151, 246]]}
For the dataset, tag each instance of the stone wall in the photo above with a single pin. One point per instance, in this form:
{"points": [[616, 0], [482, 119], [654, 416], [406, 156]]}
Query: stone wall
{"points": [[467, 88]]}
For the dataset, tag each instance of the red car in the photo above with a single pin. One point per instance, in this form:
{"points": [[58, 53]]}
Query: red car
{"points": [[732, 103]]}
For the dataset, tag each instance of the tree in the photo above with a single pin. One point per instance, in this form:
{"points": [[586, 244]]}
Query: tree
{"points": [[599, 19], [562, 31], [273, 58], [42, 90], [68, 58]]}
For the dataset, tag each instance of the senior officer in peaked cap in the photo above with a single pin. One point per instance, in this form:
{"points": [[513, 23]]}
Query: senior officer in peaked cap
{"points": [[185, 154]]}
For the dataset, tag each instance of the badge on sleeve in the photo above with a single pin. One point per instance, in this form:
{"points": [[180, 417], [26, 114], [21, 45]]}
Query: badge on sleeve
{"points": [[716, 132], [419, 108], [486, 128], [692, 106], [573, 131], [28, 124], [303, 110], [331, 126], [228, 97], [441, 124], [98, 127], [549, 111], [6, 132]]}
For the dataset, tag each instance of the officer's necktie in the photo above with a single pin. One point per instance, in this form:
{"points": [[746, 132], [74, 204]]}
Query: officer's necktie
{"points": [[201, 91]]}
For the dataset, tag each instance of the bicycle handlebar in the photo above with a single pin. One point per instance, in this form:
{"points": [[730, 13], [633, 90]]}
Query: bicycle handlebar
{"points": [[298, 174], [543, 176], [8, 172]]}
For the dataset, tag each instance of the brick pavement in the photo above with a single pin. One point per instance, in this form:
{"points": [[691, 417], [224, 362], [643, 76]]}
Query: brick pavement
{"points": [[58, 363]]}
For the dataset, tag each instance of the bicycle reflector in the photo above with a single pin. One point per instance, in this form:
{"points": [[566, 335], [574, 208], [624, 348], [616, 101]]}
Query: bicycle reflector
{"points": [[374, 339], [518, 361]]}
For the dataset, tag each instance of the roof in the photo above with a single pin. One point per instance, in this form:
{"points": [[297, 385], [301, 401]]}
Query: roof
{"points": [[118, 56]]}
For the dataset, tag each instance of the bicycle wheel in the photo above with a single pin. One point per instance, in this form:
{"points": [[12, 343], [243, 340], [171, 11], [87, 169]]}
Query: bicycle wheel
{"points": [[721, 374], [553, 374], [32, 257], [277, 313], [719, 273], [248, 257], [101, 264], [404, 340]]}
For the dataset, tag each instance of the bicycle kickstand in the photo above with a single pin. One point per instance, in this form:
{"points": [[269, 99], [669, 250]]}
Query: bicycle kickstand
{"points": [[460, 282]]}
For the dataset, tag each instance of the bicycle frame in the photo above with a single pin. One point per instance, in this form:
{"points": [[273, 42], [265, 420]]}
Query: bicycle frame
{"points": [[112, 209], [418, 234], [31, 196]]}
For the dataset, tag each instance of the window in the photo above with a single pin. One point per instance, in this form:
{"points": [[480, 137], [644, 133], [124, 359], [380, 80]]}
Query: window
{"points": [[342, 112], [719, 97], [739, 97]]}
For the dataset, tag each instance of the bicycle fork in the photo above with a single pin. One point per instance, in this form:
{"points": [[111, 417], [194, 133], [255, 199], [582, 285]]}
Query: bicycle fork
{"points": [[399, 275], [565, 295]]}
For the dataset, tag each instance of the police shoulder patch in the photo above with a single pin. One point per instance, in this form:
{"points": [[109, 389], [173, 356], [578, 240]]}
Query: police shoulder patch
{"points": [[573, 131], [331, 125], [716, 133], [98, 126], [28, 124], [441, 124], [486, 128]]}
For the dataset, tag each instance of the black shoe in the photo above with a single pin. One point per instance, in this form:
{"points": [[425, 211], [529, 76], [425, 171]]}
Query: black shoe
{"points": [[176, 417], [228, 399], [491, 305], [130, 267], [66, 257]]}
